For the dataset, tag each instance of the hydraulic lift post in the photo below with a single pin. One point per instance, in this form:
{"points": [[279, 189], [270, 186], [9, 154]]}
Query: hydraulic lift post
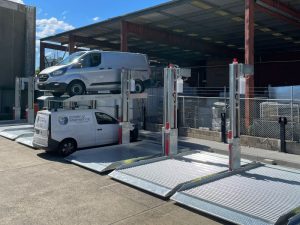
{"points": [[236, 79], [127, 86], [19, 86], [173, 85]]}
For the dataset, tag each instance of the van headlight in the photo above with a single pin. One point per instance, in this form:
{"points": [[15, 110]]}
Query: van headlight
{"points": [[59, 72]]}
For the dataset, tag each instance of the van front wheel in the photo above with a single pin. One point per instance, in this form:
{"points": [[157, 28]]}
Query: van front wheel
{"points": [[139, 86], [76, 88], [67, 147]]}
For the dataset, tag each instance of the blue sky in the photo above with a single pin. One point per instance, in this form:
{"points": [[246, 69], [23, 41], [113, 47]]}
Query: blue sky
{"points": [[55, 16]]}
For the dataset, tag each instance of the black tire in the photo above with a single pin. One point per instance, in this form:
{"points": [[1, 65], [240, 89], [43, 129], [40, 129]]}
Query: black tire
{"points": [[139, 86], [76, 88], [67, 147], [57, 94]]}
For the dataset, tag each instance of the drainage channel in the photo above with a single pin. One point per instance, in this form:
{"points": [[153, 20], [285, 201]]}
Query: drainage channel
{"points": [[256, 194], [165, 175], [108, 158]]}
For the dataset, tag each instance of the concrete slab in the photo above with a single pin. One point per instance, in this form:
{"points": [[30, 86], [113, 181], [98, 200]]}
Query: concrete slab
{"points": [[46, 190]]}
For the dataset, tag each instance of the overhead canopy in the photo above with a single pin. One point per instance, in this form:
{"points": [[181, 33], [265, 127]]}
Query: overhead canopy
{"points": [[217, 26]]}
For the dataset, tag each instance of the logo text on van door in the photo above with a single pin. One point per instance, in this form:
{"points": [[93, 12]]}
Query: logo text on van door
{"points": [[79, 119]]}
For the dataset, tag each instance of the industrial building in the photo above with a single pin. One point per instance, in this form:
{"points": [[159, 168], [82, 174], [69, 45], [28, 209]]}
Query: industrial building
{"points": [[17, 58]]}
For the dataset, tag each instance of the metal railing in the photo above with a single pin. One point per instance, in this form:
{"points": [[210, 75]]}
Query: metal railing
{"points": [[201, 108]]}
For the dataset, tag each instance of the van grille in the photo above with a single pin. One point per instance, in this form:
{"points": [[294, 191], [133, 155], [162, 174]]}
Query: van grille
{"points": [[43, 77]]}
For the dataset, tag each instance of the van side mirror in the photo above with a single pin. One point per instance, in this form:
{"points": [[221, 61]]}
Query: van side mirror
{"points": [[77, 65]]}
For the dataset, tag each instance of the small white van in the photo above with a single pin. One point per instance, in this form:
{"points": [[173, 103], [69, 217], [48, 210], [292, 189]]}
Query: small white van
{"points": [[66, 130], [88, 71]]}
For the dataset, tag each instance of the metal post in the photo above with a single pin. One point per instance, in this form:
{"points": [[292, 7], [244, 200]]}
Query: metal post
{"points": [[234, 137], [30, 108], [144, 118], [183, 111], [282, 121], [223, 127], [292, 112], [17, 107]]}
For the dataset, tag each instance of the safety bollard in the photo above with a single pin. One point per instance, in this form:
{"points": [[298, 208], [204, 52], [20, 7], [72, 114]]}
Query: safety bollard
{"points": [[282, 121], [223, 127]]}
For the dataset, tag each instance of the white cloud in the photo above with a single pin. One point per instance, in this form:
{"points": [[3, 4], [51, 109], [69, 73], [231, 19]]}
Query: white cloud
{"points": [[18, 1], [96, 18], [48, 27]]}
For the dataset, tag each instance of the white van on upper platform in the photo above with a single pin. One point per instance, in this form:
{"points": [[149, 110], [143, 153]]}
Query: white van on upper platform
{"points": [[93, 71], [66, 130]]}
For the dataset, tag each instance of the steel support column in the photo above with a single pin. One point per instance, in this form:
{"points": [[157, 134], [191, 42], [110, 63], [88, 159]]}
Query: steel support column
{"points": [[42, 56], [71, 44], [249, 59], [124, 36]]}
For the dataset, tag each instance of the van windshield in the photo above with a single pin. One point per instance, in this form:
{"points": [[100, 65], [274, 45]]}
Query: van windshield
{"points": [[71, 58]]}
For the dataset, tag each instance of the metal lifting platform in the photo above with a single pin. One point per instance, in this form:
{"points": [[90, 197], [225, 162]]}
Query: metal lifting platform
{"points": [[108, 158], [257, 194], [14, 132], [165, 175], [26, 139]]}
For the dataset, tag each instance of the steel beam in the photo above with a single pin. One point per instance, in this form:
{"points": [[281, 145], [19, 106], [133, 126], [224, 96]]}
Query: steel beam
{"points": [[71, 44], [249, 58], [42, 55], [165, 37], [279, 10], [92, 41], [124, 36]]}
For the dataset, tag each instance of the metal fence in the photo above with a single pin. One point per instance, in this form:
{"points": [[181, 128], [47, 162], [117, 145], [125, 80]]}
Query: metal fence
{"points": [[201, 108]]}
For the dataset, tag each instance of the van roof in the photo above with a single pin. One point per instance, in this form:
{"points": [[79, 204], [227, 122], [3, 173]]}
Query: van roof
{"points": [[132, 53]]}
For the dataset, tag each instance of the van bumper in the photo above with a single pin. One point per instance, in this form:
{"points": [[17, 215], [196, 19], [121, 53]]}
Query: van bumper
{"points": [[52, 146], [54, 86]]}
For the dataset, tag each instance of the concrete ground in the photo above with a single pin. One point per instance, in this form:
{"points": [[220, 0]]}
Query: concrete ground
{"points": [[38, 188]]}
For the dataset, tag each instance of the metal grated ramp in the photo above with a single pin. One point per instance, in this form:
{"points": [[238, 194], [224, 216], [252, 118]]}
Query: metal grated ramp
{"points": [[14, 133], [104, 159], [262, 194], [164, 176], [7, 127], [26, 139]]}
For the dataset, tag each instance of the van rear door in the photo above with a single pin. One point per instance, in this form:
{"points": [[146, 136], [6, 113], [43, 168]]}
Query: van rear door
{"points": [[41, 128]]}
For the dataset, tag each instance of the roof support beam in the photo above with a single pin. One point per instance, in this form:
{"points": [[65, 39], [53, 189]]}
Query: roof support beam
{"points": [[279, 10], [124, 36], [165, 37], [249, 59], [92, 41], [43, 46]]}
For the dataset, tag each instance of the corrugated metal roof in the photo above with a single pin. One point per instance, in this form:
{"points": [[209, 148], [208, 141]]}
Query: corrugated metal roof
{"points": [[209, 21]]}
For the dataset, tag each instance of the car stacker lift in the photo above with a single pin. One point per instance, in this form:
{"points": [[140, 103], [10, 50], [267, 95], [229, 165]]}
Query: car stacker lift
{"points": [[253, 194], [102, 159], [18, 128]]}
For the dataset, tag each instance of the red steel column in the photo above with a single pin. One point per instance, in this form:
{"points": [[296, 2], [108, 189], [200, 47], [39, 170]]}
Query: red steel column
{"points": [[71, 44], [124, 36], [42, 56], [249, 59]]}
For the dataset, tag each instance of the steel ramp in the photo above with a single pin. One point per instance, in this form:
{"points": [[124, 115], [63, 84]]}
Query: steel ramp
{"points": [[26, 139], [14, 126], [16, 132], [257, 194], [165, 175], [104, 159]]}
